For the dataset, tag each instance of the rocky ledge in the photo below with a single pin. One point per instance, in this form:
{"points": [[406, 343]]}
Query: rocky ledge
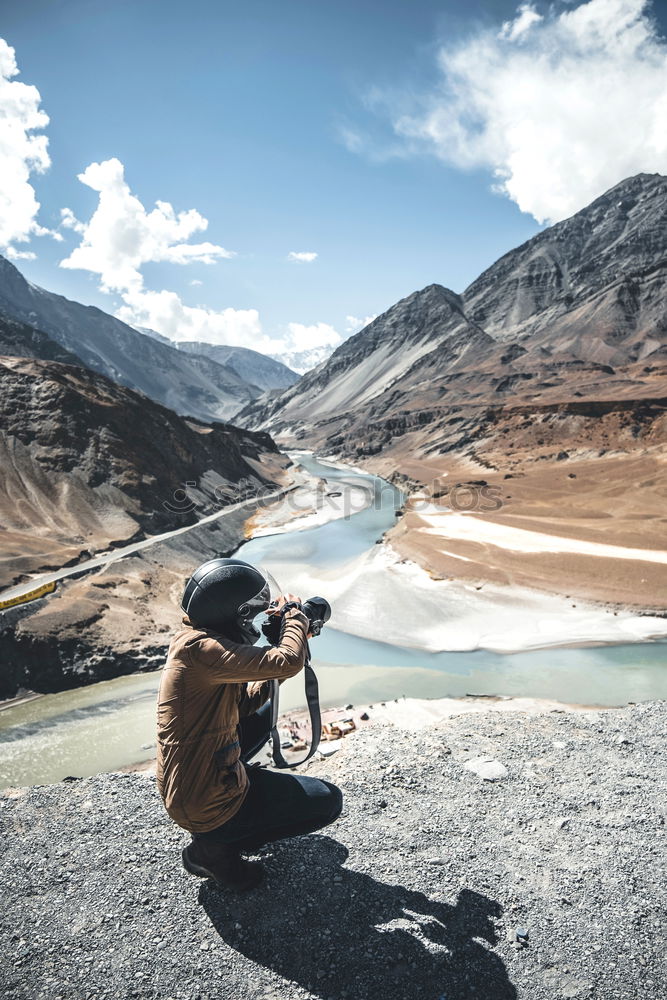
{"points": [[495, 856]]}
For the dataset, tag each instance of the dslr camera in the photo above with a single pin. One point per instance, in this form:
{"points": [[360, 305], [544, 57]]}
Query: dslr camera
{"points": [[316, 609]]}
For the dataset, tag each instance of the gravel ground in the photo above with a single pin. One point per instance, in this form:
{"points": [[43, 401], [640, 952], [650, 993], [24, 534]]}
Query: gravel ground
{"points": [[436, 883]]}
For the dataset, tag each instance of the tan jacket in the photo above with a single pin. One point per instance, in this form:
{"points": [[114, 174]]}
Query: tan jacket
{"points": [[208, 683]]}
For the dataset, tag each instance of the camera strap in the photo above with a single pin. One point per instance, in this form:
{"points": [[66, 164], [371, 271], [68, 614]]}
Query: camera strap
{"points": [[313, 702]]}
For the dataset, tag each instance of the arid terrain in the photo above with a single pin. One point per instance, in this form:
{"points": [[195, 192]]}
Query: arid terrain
{"points": [[526, 419], [91, 467], [567, 522], [118, 617]]}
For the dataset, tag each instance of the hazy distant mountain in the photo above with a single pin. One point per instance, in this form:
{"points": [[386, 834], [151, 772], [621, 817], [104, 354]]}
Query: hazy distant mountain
{"points": [[253, 367], [579, 311], [155, 335], [303, 361], [187, 384], [261, 370]]}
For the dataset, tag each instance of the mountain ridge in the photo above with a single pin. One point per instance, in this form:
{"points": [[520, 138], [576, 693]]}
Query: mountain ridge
{"points": [[189, 384], [520, 327]]}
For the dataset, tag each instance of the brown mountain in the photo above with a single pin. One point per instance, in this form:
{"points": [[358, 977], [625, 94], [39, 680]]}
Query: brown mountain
{"points": [[88, 463]]}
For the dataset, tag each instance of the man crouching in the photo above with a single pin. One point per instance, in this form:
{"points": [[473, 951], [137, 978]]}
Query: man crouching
{"points": [[211, 722]]}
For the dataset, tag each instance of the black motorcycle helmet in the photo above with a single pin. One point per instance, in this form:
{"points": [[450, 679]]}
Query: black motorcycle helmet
{"points": [[224, 596]]}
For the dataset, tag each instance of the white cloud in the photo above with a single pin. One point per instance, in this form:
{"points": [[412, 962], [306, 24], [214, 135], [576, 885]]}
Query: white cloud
{"points": [[22, 152], [121, 235], [317, 335], [304, 256], [196, 282], [70, 221], [353, 324], [526, 17], [561, 106], [15, 254], [167, 314]]}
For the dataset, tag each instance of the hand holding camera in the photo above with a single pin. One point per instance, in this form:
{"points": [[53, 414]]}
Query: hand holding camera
{"points": [[316, 609]]}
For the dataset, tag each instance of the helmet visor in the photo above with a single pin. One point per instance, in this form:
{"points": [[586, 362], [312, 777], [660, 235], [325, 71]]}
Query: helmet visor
{"points": [[262, 600], [274, 587], [257, 604]]}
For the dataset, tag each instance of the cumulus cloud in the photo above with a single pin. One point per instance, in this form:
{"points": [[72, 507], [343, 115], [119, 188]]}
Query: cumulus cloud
{"points": [[560, 104], [526, 17], [69, 221], [304, 256], [121, 236], [23, 151], [165, 312], [353, 324], [317, 335]]}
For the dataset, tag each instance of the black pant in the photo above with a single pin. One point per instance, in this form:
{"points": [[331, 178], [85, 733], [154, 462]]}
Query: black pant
{"points": [[278, 803]]}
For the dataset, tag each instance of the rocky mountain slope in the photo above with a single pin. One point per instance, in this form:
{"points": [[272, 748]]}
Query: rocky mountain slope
{"points": [[88, 463], [576, 312], [188, 384]]}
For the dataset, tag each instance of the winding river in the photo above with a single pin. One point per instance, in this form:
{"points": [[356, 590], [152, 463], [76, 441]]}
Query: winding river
{"points": [[111, 724]]}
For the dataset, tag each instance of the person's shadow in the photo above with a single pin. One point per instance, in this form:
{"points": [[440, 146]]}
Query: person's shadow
{"points": [[337, 932]]}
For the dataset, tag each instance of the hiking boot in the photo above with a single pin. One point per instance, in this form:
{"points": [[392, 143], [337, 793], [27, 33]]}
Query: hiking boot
{"points": [[223, 864]]}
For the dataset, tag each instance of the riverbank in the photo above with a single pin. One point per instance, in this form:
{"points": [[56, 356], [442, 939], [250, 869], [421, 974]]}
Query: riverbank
{"points": [[314, 501], [114, 614], [401, 592], [503, 855], [383, 596], [408, 714], [585, 523]]}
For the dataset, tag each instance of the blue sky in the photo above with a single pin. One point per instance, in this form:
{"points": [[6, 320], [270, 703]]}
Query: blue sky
{"points": [[311, 127]]}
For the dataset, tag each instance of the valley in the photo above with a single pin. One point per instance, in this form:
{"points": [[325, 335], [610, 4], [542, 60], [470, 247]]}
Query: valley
{"points": [[523, 422], [545, 381], [394, 632]]}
